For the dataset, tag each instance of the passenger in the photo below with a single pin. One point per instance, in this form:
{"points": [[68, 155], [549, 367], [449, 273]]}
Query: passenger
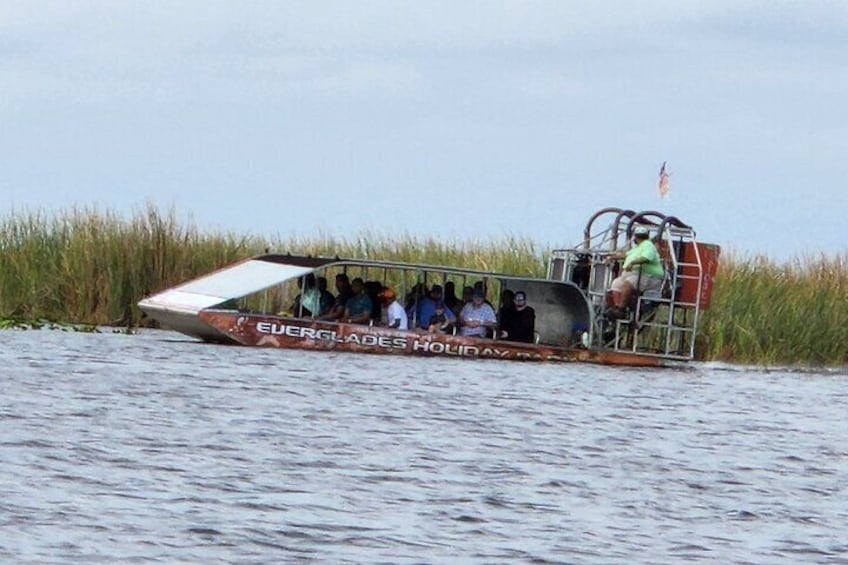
{"points": [[507, 309], [442, 320], [642, 266], [467, 297], [452, 301], [395, 314], [433, 312], [358, 308], [520, 325], [308, 301], [373, 290], [327, 297], [413, 298], [477, 317], [336, 312], [480, 286]]}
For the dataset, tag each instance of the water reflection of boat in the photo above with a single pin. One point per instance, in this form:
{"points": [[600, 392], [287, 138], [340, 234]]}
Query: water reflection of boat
{"points": [[242, 303]]}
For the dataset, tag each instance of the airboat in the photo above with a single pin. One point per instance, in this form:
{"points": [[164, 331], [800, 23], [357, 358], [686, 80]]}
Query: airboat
{"points": [[248, 303]]}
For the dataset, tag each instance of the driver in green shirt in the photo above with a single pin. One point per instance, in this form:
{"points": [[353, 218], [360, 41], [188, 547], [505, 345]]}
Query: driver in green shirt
{"points": [[642, 269]]}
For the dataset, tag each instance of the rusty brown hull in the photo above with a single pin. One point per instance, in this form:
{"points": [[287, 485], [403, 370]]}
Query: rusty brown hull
{"points": [[295, 333]]}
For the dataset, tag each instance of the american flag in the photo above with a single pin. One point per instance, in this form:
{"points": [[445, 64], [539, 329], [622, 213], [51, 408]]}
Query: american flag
{"points": [[663, 183]]}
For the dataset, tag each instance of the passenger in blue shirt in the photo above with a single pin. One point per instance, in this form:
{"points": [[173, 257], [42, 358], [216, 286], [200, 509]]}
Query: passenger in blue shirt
{"points": [[358, 308], [428, 308]]}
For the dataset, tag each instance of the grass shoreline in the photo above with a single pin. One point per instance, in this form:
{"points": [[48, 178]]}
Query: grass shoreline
{"points": [[88, 267]]}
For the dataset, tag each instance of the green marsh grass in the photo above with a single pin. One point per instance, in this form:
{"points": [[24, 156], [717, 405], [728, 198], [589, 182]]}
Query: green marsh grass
{"points": [[86, 266], [769, 313]]}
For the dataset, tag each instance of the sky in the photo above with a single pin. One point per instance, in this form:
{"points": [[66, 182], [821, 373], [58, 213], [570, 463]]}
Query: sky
{"points": [[453, 120]]}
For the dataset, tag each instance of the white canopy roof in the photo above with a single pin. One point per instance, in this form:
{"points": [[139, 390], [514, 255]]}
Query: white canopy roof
{"points": [[235, 281]]}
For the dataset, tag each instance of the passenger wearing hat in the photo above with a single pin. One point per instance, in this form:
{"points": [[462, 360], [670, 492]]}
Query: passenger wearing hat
{"points": [[642, 269], [520, 325], [477, 316], [395, 314]]}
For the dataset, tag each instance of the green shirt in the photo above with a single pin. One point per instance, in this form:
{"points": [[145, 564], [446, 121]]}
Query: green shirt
{"points": [[645, 250]]}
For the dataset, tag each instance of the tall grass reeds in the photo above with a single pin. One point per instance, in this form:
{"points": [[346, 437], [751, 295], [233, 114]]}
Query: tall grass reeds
{"points": [[90, 266], [779, 313]]}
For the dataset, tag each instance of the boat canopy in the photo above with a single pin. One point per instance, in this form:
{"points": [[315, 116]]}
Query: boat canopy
{"points": [[235, 281]]}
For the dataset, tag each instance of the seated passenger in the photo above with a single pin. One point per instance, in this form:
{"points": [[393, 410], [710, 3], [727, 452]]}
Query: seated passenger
{"points": [[358, 308], [428, 307], [327, 297], [467, 297], [477, 317], [480, 286], [520, 324], [507, 308], [395, 314], [373, 290], [308, 302], [642, 267], [452, 301], [440, 322], [413, 298], [337, 310]]}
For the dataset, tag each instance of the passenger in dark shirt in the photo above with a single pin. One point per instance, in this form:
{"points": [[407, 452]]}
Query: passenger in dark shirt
{"points": [[327, 297], [433, 305], [337, 310], [452, 301], [507, 309], [520, 325], [373, 290]]}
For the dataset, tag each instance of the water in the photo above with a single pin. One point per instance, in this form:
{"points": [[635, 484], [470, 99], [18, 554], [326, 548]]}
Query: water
{"points": [[145, 448]]}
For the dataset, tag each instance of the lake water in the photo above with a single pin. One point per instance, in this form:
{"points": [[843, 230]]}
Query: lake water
{"points": [[152, 447]]}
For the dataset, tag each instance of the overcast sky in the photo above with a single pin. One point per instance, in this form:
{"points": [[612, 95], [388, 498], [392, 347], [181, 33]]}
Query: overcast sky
{"points": [[449, 119]]}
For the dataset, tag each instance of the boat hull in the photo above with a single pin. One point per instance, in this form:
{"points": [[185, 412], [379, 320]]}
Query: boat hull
{"points": [[296, 333]]}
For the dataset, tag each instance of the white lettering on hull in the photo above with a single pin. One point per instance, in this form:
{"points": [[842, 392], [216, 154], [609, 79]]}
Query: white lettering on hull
{"points": [[273, 328], [413, 344]]}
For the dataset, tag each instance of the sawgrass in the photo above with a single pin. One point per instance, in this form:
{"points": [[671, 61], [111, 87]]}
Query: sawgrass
{"points": [[87, 266], [510, 254], [91, 266], [770, 313]]}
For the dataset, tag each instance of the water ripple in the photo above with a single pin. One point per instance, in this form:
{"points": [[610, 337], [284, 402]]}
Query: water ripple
{"points": [[152, 447]]}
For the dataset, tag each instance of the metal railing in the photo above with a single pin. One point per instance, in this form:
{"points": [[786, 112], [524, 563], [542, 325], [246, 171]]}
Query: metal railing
{"points": [[659, 324]]}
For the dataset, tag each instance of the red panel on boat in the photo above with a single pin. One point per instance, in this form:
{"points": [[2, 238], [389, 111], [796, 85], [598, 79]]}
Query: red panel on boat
{"points": [[709, 261]]}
